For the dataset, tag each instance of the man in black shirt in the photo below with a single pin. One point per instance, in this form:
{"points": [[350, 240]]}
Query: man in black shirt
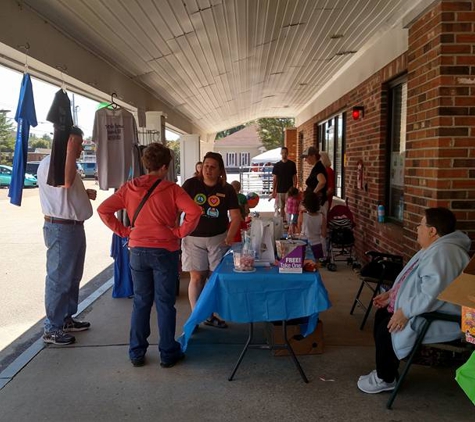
{"points": [[284, 177]]}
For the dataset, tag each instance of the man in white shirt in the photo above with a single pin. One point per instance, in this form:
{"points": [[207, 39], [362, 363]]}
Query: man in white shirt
{"points": [[65, 209]]}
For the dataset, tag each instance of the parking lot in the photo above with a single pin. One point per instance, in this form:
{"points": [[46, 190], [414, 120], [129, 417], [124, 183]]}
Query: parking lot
{"points": [[23, 260]]}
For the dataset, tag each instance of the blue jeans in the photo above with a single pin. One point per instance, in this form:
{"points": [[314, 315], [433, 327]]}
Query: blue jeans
{"points": [[66, 251], [155, 275]]}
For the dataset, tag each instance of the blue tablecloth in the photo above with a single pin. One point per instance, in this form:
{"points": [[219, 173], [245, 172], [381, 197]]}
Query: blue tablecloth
{"points": [[264, 295]]}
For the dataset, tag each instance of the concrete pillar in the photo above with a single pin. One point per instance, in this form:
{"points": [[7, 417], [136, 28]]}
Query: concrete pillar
{"points": [[189, 155], [155, 123], [140, 118]]}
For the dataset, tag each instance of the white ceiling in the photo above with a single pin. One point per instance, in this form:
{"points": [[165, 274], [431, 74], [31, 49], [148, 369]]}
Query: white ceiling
{"points": [[225, 62]]}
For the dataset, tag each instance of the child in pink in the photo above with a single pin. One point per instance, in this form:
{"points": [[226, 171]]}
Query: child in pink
{"points": [[292, 206]]}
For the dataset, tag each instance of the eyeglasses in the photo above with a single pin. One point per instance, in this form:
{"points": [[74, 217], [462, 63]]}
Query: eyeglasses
{"points": [[426, 225]]}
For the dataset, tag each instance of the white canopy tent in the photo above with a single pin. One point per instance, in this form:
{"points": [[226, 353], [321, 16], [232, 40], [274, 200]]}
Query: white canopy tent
{"points": [[271, 156]]}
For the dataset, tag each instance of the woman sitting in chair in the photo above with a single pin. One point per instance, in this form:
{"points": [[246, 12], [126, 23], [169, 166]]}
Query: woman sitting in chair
{"points": [[442, 258]]}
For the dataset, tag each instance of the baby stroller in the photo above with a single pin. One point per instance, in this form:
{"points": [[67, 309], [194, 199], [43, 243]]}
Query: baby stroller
{"points": [[340, 237]]}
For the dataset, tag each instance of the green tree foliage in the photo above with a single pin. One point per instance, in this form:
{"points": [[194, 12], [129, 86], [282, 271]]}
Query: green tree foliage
{"points": [[39, 143], [7, 138], [6, 127], [228, 132], [175, 147], [271, 131]]}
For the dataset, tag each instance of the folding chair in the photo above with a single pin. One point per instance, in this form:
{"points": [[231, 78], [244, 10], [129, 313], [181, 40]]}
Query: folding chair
{"points": [[382, 270], [453, 346]]}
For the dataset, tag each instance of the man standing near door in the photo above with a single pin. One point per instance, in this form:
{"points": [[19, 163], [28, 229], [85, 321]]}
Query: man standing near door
{"points": [[284, 176]]}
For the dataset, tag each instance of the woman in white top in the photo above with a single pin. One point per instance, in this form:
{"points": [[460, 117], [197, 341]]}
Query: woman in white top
{"points": [[313, 224]]}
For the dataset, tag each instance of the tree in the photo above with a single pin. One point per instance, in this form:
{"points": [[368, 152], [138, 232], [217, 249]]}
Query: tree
{"points": [[40, 143], [175, 147], [271, 131], [7, 137], [6, 127], [230, 131]]}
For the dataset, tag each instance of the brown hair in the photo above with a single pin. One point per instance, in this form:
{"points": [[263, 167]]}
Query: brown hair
{"points": [[442, 219], [219, 159], [155, 156]]}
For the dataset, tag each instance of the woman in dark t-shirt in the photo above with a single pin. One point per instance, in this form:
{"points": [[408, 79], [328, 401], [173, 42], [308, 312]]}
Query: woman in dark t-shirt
{"points": [[204, 248], [317, 180]]}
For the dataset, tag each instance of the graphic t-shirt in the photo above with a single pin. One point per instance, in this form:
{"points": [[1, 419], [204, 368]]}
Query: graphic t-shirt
{"points": [[312, 180], [60, 115], [215, 202], [285, 173], [115, 134]]}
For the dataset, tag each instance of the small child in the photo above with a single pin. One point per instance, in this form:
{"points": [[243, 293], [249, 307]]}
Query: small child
{"points": [[292, 209], [243, 207], [313, 224], [242, 200]]}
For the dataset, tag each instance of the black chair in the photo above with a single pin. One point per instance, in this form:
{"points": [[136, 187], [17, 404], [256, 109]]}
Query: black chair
{"points": [[458, 346], [382, 270]]}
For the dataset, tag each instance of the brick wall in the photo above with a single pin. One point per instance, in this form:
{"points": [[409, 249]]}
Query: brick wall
{"points": [[290, 141], [440, 159], [440, 146]]}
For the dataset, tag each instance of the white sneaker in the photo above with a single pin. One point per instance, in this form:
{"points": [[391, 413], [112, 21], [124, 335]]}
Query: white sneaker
{"points": [[372, 384], [362, 377]]}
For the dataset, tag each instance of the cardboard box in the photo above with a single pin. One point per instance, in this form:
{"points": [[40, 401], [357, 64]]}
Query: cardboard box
{"points": [[462, 292], [310, 345]]}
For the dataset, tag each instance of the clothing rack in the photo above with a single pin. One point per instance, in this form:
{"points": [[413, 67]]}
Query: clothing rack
{"points": [[147, 136]]}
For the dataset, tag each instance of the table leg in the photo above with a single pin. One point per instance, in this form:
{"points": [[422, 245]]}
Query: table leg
{"points": [[251, 332], [292, 353]]}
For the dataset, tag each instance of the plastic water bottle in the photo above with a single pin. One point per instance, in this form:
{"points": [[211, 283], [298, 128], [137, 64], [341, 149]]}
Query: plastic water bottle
{"points": [[380, 213]]}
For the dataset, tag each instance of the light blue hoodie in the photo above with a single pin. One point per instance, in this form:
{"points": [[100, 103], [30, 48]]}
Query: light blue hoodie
{"points": [[438, 266]]}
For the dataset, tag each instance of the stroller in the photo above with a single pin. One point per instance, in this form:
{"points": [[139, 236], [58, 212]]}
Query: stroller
{"points": [[340, 239]]}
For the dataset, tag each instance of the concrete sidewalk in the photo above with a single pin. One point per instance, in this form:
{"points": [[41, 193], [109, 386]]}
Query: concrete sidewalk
{"points": [[93, 380]]}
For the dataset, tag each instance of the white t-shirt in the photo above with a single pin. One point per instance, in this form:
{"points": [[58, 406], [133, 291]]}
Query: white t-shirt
{"points": [[67, 203], [312, 227], [115, 134]]}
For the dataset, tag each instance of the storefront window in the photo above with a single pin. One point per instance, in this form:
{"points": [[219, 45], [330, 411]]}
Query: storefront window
{"points": [[396, 149], [331, 139]]}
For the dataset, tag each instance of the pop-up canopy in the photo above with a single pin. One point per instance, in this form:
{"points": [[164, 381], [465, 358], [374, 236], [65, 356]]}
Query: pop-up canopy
{"points": [[271, 156]]}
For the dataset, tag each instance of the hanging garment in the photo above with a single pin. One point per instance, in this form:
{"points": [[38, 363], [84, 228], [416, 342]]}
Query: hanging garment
{"points": [[115, 134], [123, 286], [171, 173], [25, 117], [60, 115]]}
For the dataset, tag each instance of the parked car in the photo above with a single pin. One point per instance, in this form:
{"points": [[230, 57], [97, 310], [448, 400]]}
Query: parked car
{"points": [[6, 177], [89, 168], [81, 171], [32, 168]]}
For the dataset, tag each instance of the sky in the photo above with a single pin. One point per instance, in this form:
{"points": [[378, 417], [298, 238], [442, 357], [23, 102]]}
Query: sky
{"points": [[43, 92]]}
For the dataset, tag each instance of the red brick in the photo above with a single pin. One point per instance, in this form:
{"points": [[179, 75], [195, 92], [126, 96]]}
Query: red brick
{"points": [[466, 16], [465, 38], [461, 60], [452, 173]]}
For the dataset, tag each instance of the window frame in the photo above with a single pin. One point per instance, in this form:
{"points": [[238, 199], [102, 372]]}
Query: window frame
{"points": [[394, 214], [337, 149]]}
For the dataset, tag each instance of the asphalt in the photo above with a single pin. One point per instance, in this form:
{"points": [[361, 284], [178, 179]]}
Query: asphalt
{"points": [[93, 379]]}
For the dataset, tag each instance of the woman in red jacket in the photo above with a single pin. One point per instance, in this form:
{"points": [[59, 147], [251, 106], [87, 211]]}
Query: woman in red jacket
{"points": [[154, 243]]}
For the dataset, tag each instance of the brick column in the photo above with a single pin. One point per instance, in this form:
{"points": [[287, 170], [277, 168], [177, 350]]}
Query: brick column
{"points": [[290, 141], [440, 160]]}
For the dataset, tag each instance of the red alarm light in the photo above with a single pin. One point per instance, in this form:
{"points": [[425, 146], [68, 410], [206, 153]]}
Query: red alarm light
{"points": [[357, 112]]}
